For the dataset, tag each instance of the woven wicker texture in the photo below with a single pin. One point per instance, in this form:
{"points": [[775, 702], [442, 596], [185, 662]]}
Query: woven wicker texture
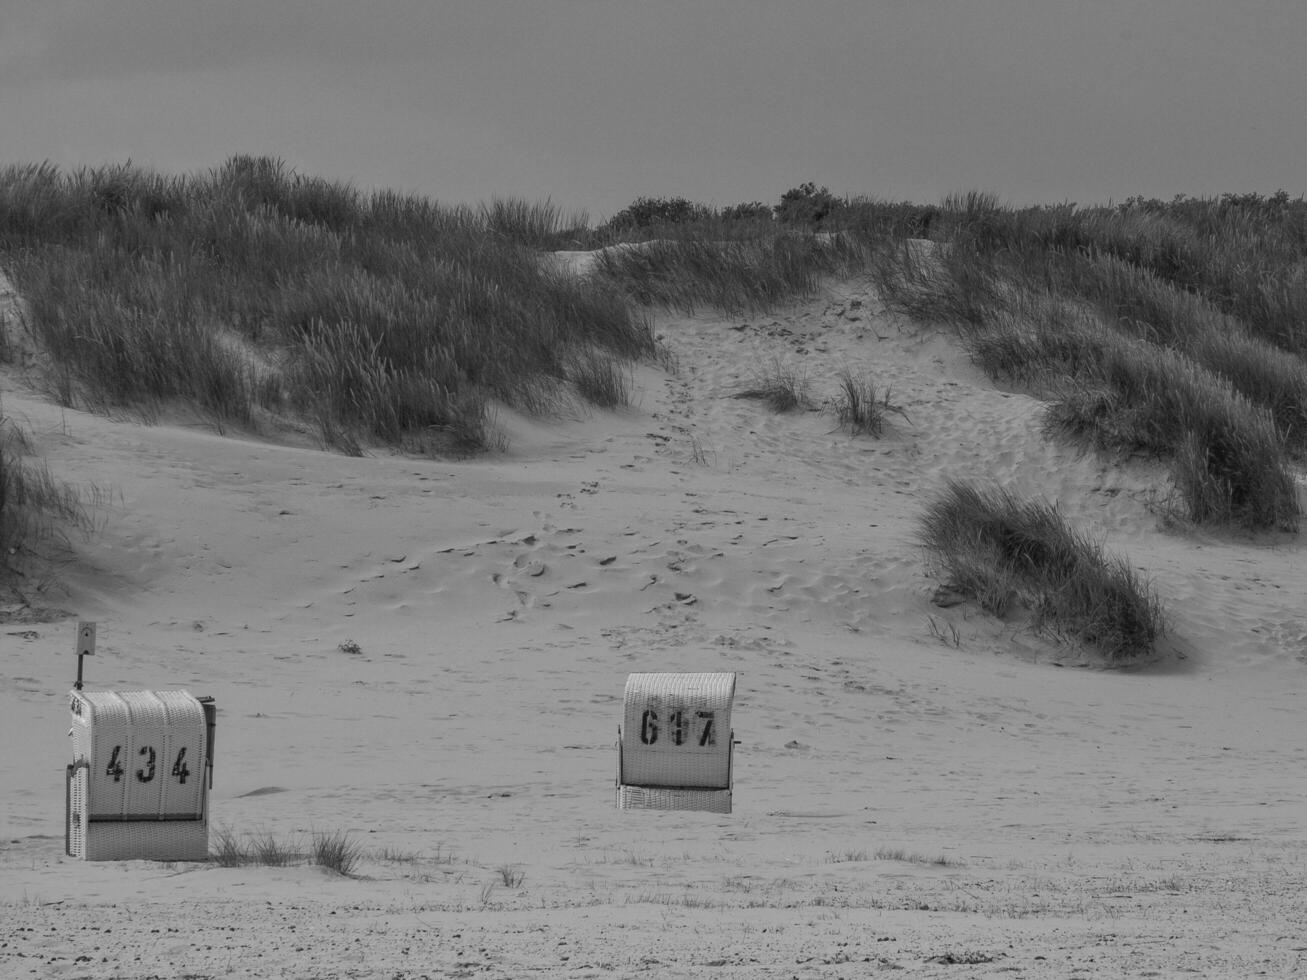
{"points": [[140, 791], [147, 840], [76, 816], [655, 798], [676, 730]]}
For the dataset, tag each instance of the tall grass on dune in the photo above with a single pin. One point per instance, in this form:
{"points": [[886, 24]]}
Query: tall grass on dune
{"points": [[940, 282], [35, 508], [260, 294], [690, 272], [1144, 367], [541, 225], [126, 331], [1120, 394], [1230, 463], [1143, 305], [1009, 554], [1246, 255]]}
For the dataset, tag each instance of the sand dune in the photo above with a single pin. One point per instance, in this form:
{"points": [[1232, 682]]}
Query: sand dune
{"points": [[430, 655]]}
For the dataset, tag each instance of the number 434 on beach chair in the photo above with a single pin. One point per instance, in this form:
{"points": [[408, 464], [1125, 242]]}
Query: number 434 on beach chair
{"points": [[675, 748], [138, 786]]}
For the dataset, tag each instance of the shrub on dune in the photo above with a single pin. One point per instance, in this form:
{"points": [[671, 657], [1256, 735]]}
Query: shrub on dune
{"points": [[1006, 553]]}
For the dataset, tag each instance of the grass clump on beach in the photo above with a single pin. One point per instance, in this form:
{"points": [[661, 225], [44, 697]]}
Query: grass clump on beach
{"points": [[861, 407], [781, 387], [335, 851], [1008, 554]]}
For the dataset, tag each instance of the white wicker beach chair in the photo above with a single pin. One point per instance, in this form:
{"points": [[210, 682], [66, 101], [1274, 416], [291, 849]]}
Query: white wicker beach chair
{"points": [[138, 784], [675, 748]]}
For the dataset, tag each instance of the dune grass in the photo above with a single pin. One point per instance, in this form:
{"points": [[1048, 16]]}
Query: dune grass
{"points": [[259, 294], [1131, 361], [1242, 253], [692, 271], [1011, 555], [36, 510], [683, 256]]}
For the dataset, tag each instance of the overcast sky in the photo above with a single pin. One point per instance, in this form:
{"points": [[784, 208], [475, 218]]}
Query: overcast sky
{"points": [[592, 103]]}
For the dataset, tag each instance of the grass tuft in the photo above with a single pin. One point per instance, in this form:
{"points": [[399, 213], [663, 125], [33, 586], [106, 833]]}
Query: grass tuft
{"points": [[270, 852], [226, 849], [781, 388], [511, 876], [336, 851], [861, 408]]}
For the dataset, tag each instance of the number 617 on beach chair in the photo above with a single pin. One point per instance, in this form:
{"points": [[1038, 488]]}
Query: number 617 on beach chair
{"points": [[675, 748]]}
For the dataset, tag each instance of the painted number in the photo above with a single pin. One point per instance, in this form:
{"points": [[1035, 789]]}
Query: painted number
{"points": [[146, 774], [681, 727], [708, 734], [649, 727], [115, 767], [179, 768]]}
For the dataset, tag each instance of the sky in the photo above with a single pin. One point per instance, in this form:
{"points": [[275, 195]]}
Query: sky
{"points": [[593, 103]]}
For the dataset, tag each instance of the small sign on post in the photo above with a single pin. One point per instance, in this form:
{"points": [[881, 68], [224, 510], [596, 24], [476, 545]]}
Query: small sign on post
{"points": [[85, 647]]}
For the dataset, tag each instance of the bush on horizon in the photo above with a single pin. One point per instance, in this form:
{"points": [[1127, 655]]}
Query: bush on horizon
{"points": [[806, 205]]}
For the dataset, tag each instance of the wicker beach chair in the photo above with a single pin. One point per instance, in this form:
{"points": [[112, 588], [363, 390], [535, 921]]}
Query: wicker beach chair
{"points": [[138, 784], [675, 748]]}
